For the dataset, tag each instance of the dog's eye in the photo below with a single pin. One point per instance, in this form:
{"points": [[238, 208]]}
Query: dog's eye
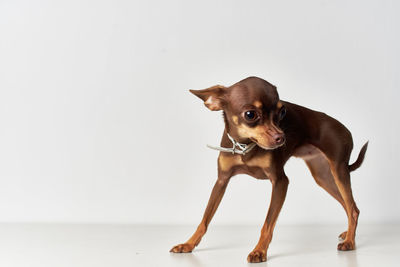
{"points": [[250, 115], [282, 113]]}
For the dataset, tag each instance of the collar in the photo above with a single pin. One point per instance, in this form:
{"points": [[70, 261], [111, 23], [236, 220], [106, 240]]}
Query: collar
{"points": [[237, 148]]}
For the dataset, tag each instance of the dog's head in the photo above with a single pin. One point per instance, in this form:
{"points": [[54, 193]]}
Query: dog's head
{"points": [[252, 110]]}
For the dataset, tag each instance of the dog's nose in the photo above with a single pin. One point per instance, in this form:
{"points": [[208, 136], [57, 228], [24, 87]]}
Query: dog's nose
{"points": [[279, 138]]}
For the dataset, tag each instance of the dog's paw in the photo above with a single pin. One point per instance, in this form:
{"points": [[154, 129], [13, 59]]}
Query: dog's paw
{"points": [[346, 245], [343, 235], [182, 248], [257, 256]]}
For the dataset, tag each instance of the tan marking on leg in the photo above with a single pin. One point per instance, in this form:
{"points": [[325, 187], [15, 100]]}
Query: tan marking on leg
{"points": [[279, 189], [213, 203], [342, 180]]}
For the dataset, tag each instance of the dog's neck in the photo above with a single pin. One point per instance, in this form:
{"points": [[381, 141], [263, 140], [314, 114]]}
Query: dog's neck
{"points": [[237, 148]]}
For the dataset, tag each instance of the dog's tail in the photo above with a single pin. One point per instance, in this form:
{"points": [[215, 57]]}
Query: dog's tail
{"points": [[360, 158]]}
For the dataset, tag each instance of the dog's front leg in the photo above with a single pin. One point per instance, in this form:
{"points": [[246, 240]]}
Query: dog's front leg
{"points": [[213, 203], [279, 189]]}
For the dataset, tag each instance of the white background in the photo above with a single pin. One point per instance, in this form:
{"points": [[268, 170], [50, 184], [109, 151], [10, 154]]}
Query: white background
{"points": [[97, 124]]}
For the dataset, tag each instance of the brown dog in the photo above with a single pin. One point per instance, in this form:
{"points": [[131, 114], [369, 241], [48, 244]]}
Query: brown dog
{"points": [[261, 134]]}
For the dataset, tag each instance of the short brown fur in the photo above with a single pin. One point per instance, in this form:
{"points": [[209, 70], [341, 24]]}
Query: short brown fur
{"points": [[280, 130]]}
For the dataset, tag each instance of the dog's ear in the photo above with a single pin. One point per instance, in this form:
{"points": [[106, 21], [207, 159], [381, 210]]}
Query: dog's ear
{"points": [[213, 97]]}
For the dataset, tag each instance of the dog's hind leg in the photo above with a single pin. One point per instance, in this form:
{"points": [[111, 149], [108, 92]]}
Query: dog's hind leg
{"points": [[322, 174], [341, 174], [320, 169]]}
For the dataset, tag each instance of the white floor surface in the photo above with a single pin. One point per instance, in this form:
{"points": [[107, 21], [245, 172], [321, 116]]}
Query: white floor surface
{"points": [[78, 245]]}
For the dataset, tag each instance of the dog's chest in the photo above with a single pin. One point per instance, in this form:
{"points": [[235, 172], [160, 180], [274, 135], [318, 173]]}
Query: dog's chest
{"points": [[257, 166], [263, 160]]}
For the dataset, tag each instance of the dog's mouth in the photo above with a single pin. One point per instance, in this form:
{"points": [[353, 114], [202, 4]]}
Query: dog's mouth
{"points": [[270, 148], [266, 147]]}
